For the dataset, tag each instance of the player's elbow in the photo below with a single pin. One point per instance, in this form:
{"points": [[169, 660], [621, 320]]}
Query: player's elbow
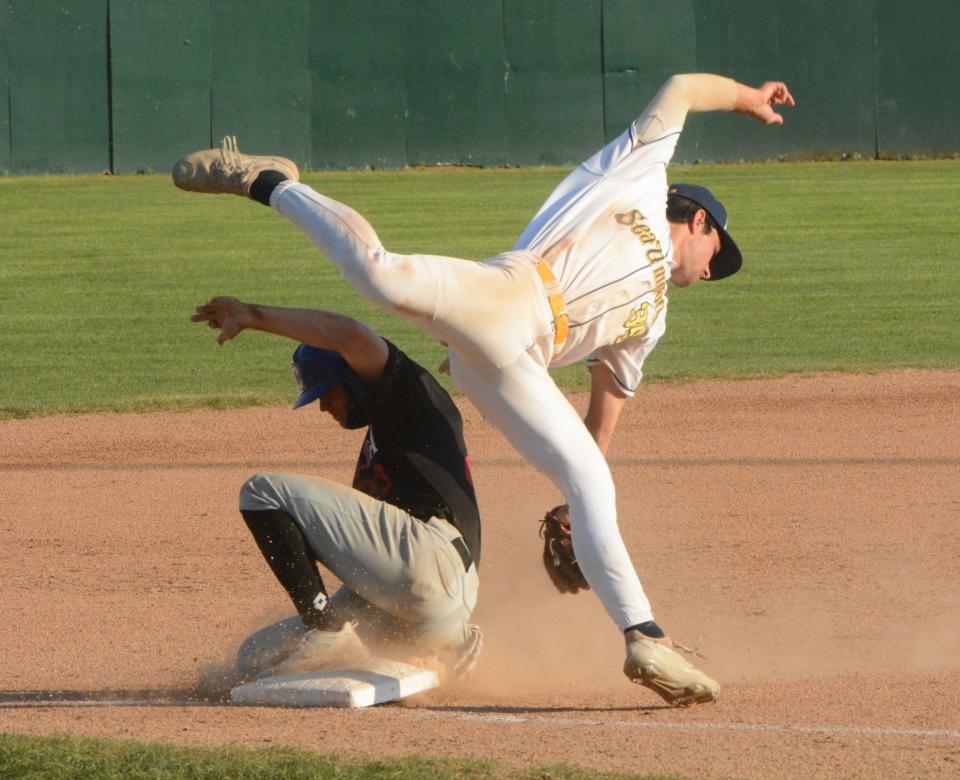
{"points": [[678, 82], [681, 87], [700, 92], [355, 340], [364, 350], [671, 104]]}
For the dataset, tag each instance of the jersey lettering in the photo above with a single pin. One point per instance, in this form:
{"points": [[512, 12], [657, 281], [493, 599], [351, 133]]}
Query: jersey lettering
{"points": [[660, 287], [646, 236], [633, 219], [636, 323], [629, 217], [639, 321]]}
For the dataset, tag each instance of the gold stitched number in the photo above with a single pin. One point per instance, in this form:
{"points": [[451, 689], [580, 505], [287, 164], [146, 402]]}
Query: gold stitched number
{"points": [[636, 323]]}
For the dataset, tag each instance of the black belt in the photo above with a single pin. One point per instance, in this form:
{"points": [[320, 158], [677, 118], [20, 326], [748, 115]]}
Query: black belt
{"points": [[460, 546]]}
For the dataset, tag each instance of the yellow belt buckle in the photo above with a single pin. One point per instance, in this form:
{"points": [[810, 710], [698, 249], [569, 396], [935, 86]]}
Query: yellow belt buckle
{"points": [[561, 321]]}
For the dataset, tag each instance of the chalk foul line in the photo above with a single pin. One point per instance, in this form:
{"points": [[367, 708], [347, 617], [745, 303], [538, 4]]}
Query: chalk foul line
{"points": [[782, 728]]}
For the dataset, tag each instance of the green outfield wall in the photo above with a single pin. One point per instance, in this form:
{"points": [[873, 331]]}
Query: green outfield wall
{"points": [[129, 85], [57, 96]]}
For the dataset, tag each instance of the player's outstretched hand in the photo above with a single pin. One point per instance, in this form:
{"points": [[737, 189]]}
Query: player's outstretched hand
{"points": [[759, 102], [227, 314]]}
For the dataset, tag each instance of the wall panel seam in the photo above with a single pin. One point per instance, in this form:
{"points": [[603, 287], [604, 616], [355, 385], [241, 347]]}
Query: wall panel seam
{"points": [[876, 81], [603, 76], [110, 161]]}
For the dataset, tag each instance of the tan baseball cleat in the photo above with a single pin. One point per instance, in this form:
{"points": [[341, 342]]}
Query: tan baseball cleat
{"points": [[323, 650], [225, 170], [667, 673]]}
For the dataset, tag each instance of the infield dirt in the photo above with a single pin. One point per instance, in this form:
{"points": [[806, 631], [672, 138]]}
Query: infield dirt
{"points": [[803, 530]]}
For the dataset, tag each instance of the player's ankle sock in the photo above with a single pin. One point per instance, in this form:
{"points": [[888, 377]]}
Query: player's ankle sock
{"points": [[285, 549], [264, 184], [649, 628]]}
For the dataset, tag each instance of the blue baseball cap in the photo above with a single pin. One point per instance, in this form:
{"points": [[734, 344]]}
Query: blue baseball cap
{"points": [[728, 260], [316, 371]]}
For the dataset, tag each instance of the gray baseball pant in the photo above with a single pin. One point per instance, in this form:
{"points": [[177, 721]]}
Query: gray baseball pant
{"points": [[402, 578]]}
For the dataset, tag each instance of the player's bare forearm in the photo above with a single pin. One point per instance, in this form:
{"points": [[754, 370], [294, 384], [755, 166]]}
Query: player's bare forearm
{"points": [[362, 348], [606, 404], [699, 92], [311, 326], [702, 91]]}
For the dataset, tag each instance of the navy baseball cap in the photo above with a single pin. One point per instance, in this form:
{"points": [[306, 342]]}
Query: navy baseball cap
{"points": [[316, 371], [728, 260]]}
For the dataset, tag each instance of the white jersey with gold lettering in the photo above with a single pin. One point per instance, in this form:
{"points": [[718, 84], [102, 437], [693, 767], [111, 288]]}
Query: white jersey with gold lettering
{"points": [[603, 232]]}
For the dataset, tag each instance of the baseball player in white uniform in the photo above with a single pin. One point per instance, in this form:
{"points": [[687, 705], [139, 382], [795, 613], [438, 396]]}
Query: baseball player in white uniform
{"points": [[586, 280]]}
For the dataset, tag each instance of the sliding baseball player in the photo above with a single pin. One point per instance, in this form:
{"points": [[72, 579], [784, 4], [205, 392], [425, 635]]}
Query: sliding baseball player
{"points": [[404, 539]]}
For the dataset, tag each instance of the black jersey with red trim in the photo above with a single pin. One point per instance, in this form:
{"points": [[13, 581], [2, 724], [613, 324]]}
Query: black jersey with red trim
{"points": [[414, 455]]}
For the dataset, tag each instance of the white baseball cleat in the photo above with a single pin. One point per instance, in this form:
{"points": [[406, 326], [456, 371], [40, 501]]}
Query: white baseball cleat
{"points": [[667, 673], [225, 170], [320, 650]]}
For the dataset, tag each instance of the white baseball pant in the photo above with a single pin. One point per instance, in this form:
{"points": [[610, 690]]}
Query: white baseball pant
{"points": [[497, 322]]}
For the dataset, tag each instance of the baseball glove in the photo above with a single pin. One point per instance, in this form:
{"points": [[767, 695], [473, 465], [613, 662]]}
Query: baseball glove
{"points": [[558, 558]]}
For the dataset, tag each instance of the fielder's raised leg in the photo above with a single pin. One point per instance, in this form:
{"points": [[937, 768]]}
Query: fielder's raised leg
{"points": [[587, 280]]}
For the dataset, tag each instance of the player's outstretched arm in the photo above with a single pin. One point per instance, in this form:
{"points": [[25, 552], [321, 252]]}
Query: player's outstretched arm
{"points": [[365, 351], [699, 92]]}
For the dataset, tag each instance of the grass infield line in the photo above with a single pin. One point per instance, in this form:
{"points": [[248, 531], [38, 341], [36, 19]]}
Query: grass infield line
{"points": [[511, 719], [702, 462]]}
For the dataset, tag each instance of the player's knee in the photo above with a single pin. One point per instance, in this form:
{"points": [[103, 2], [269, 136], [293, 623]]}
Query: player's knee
{"points": [[259, 492], [368, 270], [384, 278], [593, 510], [590, 488]]}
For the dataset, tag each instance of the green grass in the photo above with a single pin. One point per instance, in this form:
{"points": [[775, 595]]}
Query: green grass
{"points": [[849, 267], [69, 758]]}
